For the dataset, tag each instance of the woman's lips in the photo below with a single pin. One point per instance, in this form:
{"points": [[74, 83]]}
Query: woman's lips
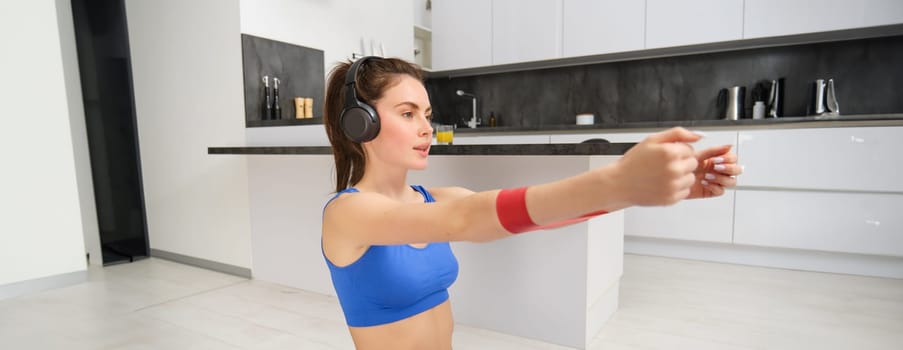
{"points": [[423, 149]]}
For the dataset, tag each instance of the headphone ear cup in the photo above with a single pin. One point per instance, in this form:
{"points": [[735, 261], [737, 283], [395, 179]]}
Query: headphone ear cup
{"points": [[360, 123]]}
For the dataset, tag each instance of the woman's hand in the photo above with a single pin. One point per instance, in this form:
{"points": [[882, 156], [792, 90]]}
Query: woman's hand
{"points": [[659, 170], [717, 170]]}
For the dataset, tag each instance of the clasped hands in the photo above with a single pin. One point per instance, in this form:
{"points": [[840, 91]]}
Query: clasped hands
{"points": [[717, 169], [664, 169]]}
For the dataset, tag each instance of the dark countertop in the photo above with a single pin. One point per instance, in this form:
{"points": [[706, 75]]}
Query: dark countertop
{"points": [[561, 149], [786, 122]]}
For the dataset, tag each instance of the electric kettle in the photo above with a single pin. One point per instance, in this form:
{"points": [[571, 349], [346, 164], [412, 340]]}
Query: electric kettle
{"points": [[731, 102]]}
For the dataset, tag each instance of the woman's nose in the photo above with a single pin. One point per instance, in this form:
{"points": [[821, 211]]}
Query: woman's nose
{"points": [[428, 129]]}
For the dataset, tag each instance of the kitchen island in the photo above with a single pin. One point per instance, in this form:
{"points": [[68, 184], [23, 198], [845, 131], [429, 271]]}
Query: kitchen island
{"points": [[558, 286]]}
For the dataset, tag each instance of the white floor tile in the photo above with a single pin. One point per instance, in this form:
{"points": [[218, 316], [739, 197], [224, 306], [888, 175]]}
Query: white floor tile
{"points": [[665, 304]]}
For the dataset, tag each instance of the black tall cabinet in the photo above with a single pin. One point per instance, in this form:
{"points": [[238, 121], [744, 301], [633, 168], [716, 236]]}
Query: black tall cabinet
{"points": [[102, 41]]}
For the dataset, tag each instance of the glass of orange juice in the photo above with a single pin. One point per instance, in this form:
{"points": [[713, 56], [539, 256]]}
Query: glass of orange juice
{"points": [[445, 134]]}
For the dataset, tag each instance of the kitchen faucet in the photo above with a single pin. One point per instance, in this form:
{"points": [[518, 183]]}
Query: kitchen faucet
{"points": [[473, 122]]}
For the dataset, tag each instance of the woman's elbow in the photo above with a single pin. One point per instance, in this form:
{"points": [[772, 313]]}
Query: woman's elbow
{"points": [[464, 229]]}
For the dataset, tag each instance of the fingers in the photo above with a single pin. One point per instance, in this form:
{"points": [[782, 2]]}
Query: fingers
{"points": [[719, 180], [714, 151], [725, 164], [728, 169], [682, 175], [682, 189], [676, 134], [686, 182], [725, 158], [685, 165], [679, 150], [715, 190]]}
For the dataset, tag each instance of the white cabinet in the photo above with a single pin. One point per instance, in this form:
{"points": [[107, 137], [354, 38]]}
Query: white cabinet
{"points": [[475, 33], [592, 27], [525, 31], [705, 220], [822, 162], [461, 36], [764, 18], [836, 222], [687, 22], [461, 139], [858, 159]]}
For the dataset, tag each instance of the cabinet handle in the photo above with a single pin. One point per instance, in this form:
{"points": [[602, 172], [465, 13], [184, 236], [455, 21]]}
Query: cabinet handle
{"points": [[875, 223], [854, 139]]}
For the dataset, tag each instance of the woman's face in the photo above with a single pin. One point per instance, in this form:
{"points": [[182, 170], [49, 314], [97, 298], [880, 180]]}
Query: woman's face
{"points": [[405, 132]]}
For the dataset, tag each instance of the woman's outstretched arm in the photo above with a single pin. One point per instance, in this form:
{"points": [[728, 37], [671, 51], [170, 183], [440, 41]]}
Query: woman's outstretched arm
{"points": [[657, 171]]}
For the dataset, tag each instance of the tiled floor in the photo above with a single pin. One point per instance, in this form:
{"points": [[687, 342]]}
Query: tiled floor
{"points": [[665, 304]]}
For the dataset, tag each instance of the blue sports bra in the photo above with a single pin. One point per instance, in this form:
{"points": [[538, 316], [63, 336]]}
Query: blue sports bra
{"points": [[393, 282]]}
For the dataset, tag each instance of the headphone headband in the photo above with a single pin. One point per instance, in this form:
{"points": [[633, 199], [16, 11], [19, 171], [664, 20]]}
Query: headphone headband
{"points": [[351, 80]]}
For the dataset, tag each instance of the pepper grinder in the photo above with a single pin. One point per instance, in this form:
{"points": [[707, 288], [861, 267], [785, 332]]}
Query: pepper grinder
{"points": [[277, 111], [267, 105]]}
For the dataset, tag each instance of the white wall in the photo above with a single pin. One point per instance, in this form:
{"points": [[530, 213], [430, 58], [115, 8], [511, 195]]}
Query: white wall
{"points": [[186, 66], [337, 28], [422, 16], [41, 232]]}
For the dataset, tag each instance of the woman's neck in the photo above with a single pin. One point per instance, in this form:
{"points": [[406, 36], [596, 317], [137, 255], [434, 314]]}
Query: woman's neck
{"points": [[389, 182]]}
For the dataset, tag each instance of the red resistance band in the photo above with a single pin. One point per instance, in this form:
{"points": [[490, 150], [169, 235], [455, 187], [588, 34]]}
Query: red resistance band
{"points": [[511, 207]]}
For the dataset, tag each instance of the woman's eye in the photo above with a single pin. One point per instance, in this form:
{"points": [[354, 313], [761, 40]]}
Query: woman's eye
{"points": [[429, 117], [407, 114]]}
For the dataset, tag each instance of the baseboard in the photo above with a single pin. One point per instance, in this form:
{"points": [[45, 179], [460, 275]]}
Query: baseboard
{"points": [[202, 263], [794, 259], [41, 284]]}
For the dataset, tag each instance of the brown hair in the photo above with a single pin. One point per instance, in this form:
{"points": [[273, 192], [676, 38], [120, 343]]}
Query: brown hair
{"points": [[374, 77]]}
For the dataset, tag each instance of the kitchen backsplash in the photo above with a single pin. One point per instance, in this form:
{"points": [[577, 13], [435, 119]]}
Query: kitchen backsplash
{"points": [[868, 75], [298, 68]]}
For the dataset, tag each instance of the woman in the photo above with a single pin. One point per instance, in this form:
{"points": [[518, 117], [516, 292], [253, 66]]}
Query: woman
{"points": [[391, 264]]}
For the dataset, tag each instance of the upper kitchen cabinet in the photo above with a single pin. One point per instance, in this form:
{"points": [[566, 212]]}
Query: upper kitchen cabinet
{"points": [[687, 22], [765, 18], [525, 31], [592, 27], [462, 34]]}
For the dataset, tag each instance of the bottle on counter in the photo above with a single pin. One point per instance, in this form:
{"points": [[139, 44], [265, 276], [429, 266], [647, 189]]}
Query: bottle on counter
{"points": [[299, 107], [277, 110], [267, 109], [759, 110], [308, 107], [492, 121]]}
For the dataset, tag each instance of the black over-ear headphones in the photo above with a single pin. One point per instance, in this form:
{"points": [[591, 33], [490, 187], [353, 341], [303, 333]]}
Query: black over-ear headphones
{"points": [[359, 121]]}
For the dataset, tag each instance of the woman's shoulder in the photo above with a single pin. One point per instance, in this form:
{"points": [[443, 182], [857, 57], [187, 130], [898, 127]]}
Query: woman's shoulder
{"points": [[449, 193]]}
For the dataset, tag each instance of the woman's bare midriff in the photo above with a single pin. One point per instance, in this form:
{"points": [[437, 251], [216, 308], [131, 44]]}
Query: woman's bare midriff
{"points": [[431, 329]]}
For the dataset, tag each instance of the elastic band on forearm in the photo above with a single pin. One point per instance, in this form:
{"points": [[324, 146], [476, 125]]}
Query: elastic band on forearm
{"points": [[511, 208], [573, 221]]}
